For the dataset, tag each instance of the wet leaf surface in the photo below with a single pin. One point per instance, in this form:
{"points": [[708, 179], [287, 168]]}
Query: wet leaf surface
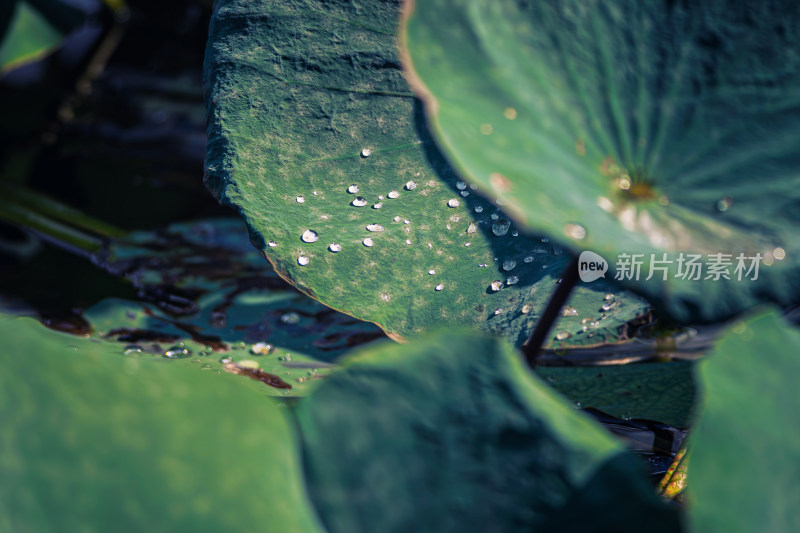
{"points": [[657, 391], [745, 447], [319, 144], [629, 127], [453, 433], [108, 443]]}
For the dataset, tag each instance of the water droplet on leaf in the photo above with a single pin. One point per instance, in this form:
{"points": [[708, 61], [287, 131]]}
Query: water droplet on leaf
{"points": [[509, 264], [300, 200], [411, 185], [261, 348], [368, 242], [393, 194], [374, 227], [352, 189], [179, 351], [496, 285], [302, 260], [309, 236], [439, 287], [335, 247], [453, 202], [358, 201], [501, 227]]}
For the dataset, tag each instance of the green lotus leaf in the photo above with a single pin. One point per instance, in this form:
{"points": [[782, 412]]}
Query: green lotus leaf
{"points": [[453, 433], [657, 391], [745, 445], [629, 127], [315, 138], [31, 28], [93, 441]]}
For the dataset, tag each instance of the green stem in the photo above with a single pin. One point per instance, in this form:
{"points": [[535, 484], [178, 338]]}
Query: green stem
{"points": [[533, 346], [24, 200]]}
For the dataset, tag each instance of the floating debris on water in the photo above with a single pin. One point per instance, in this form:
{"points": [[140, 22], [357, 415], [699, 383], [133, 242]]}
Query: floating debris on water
{"points": [[290, 318]]}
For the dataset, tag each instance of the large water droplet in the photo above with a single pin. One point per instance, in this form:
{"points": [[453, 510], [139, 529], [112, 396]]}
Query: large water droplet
{"points": [[352, 189], [302, 260], [464, 193], [509, 264], [494, 216], [496, 285], [411, 185], [528, 259], [179, 351], [309, 236], [460, 185], [568, 310], [300, 200], [439, 287], [290, 318], [393, 194], [368, 242], [512, 280], [358, 201], [575, 231], [453, 202], [261, 348], [374, 227], [133, 349], [500, 227], [335, 247], [478, 209]]}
